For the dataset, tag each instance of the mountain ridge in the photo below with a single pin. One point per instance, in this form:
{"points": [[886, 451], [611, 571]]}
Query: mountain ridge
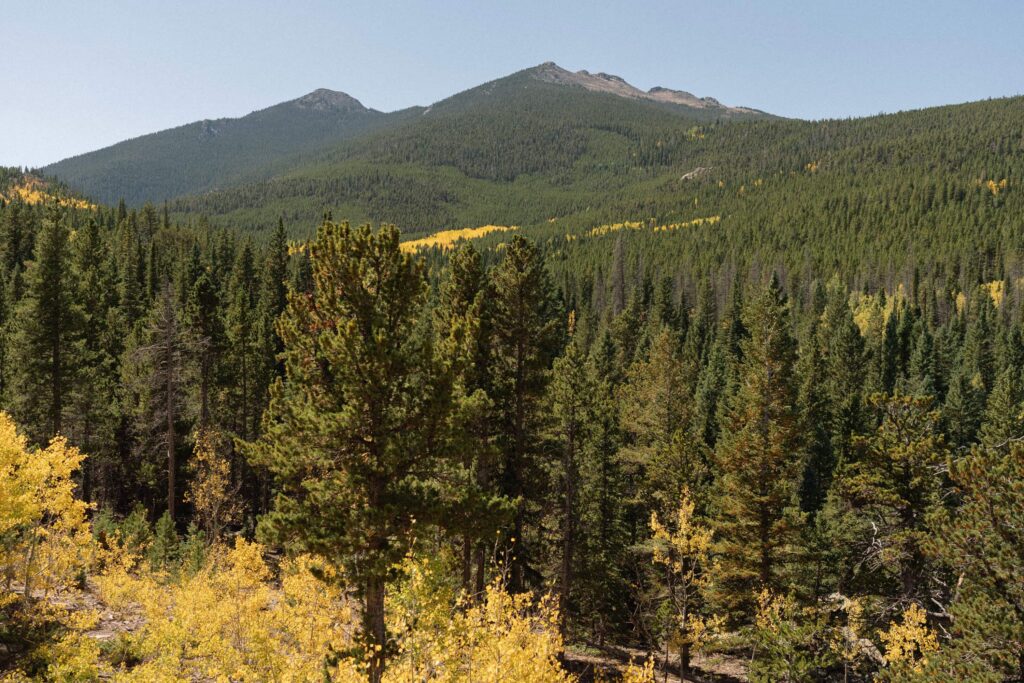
{"points": [[217, 154], [616, 85]]}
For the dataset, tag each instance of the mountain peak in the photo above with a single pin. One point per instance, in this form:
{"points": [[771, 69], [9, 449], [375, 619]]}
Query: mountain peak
{"points": [[616, 85], [323, 99]]}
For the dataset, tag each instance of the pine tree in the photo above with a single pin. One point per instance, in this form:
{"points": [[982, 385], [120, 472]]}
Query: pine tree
{"points": [[814, 416], [526, 340], [204, 335], [571, 392], [758, 461], [656, 413], [1004, 413], [602, 590], [923, 380], [93, 416], [882, 502], [964, 408], [982, 545], [241, 358], [153, 377], [349, 434], [463, 326], [46, 336]]}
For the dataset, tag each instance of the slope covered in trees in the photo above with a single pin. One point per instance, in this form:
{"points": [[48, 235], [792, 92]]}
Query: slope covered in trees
{"points": [[803, 459], [212, 154], [226, 153]]}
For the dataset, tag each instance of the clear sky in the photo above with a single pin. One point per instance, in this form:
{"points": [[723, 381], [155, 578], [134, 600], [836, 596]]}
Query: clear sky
{"points": [[82, 75]]}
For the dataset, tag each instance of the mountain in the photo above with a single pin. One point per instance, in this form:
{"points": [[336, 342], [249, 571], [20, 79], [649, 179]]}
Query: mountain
{"points": [[522, 148], [211, 154], [615, 85], [556, 160], [230, 153]]}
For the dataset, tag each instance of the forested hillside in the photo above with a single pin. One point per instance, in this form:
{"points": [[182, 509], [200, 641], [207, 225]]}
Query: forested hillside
{"points": [[535, 122], [769, 414], [213, 154]]}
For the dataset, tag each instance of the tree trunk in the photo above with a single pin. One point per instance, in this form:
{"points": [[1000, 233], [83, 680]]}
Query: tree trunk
{"points": [[481, 568], [467, 562], [374, 627], [171, 460], [569, 528]]}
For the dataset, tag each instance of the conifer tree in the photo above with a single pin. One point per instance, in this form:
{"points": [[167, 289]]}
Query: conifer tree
{"points": [[758, 461], [964, 407], [242, 361], [602, 591], [571, 393], [93, 415], [814, 415], [656, 413], [153, 380], [845, 368], [981, 543], [46, 335], [204, 330], [463, 326], [350, 431], [882, 502], [1004, 415], [526, 340]]}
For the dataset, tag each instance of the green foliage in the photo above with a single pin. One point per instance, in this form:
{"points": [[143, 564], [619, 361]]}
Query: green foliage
{"points": [[163, 552], [758, 461], [349, 431]]}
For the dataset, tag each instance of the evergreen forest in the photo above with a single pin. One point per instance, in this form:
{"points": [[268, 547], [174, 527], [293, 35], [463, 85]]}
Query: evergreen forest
{"points": [[706, 398]]}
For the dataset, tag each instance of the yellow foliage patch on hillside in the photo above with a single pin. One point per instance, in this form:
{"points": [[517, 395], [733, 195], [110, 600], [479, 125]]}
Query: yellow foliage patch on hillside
{"points": [[709, 220], [995, 187], [995, 290], [33, 191], [873, 311], [613, 227], [446, 239], [638, 225]]}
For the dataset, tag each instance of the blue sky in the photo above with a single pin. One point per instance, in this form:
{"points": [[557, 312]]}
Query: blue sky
{"points": [[83, 75]]}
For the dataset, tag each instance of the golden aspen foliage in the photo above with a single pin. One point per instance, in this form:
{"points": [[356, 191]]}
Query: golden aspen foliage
{"points": [[685, 553], [446, 239], [849, 641], [909, 643], [639, 673], [639, 225], [46, 539], [233, 621], [996, 186], [33, 191], [213, 498]]}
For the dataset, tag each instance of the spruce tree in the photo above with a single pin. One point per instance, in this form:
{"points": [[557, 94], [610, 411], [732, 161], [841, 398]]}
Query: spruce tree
{"points": [[463, 326], [883, 501], [571, 394], [93, 416], [526, 340], [757, 463], [153, 386], [665, 453], [46, 334]]}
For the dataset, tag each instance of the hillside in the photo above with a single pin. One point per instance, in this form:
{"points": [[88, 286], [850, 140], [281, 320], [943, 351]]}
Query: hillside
{"points": [[787, 192], [539, 108], [211, 154]]}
